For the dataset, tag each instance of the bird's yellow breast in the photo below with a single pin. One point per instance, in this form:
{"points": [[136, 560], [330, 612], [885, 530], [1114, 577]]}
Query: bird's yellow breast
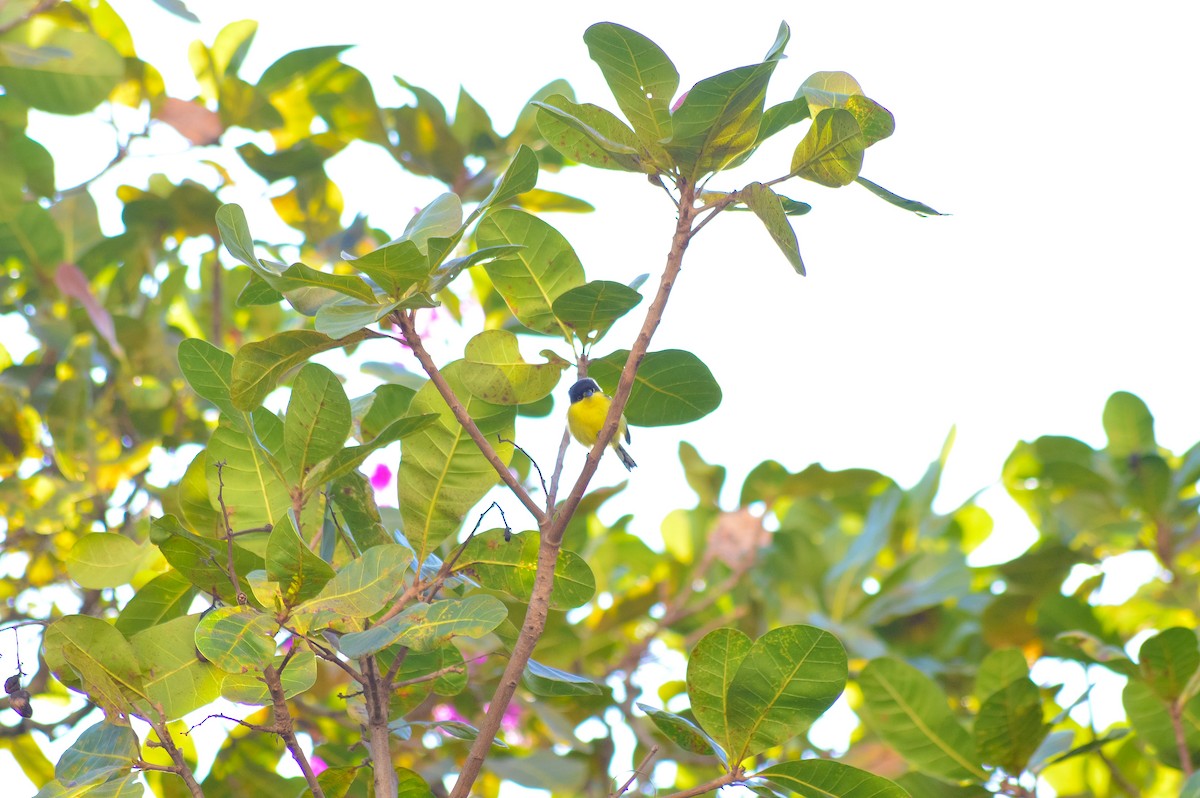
{"points": [[586, 417]]}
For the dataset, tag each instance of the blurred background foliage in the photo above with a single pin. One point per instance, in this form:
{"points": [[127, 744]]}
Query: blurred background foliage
{"points": [[990, 667]]}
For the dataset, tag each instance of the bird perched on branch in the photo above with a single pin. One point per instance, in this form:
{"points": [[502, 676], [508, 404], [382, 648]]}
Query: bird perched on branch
{"points": [[586, 415]]}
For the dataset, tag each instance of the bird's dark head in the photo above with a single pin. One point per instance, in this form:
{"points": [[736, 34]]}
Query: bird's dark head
{"points": [[583, 389]]}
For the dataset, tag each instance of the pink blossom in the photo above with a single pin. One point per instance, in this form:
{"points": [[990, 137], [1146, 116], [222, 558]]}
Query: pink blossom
{"points": [[381, 477], [318, 764], [446, 712]]}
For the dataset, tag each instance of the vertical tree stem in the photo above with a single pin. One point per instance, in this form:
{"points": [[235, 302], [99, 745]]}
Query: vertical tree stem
{"points": [[378, 734], [287, 730]]}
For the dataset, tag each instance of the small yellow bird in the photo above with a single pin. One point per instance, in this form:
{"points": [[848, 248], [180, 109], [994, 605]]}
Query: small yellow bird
{"points": [[586, 415]]}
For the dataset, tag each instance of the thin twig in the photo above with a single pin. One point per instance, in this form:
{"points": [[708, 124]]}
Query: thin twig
{"points": [[233, 579], [553, 524], [413, 339], [251, 726], [558, 467], [533, 462], [731, 777], [1118, 778], [1181, 742], [429, 677], [638, 771], [181, 766]]}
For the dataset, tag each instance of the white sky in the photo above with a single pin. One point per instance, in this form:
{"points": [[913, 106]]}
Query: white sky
{"points": [[1059, 135]]}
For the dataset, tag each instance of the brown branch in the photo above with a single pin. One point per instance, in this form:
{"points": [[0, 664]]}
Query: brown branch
{"points": [[1185, 754], [331, 657], [251, 726], [429, 677], [405, 322], [378, 734], [708, 786], [553, 524], [638, 771], [181, 766], [552, 494], [285, 728], [233, 579]]}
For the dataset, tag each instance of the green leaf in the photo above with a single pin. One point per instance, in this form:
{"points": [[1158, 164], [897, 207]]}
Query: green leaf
{"points": [[1191, 787], [343, 318], [591, 135], [1009, 727], [790, 676], [360, 588], [540, 201], [308, 289], [680, 730], [720, 117], [1129, 426], [825, 90], [253, 493], [775, 119], [998, 669], [704, 478], [102, 751], [176, 680], [396, 267], [1151, 719], [424, 627], [542, 680], [520, 176], [641, 76], [237, 639], [235, 235], [351, 457], [912, 715], [384, 405], [249, 688], [318, 417], [831, 152], [531, 279], [203, 560], [57, 69], [258, 367], [441, 218], [710, 672], [672, 387], [442, 472], [768, 207], [193, 499], [875, 121], [164, 598], [90, 655], [1168, 661], [301, 574], [494, 370], [825, 778], [592, 308], [919, 208], [209, 371], [446, 273], [104, 559], [511, 566]]}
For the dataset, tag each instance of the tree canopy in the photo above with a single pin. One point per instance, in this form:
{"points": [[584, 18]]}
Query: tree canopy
{"points": [[390, 633]]}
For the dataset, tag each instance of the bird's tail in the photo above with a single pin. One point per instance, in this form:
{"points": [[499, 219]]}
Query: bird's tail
{"points": [[624, 457]]}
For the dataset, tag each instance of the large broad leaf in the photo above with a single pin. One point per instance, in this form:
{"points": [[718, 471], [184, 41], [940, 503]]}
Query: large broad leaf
{"points": [[593, 136], [441, 218], [710, 671], [424, 627], [681, 731], [550, 682], [442, 472], [831, 152], [300, 573], [642, 78], [1151, 719], [790, 676], [103, 750], [258, 367], [999, 669], [911, 713], [1009, 727], [494, 370], [237, 639], [592, 308], [919, 208], [531, 279], [351, 457], [1128, 425], [203, 560], [209, 371], [510, 566], [1168, 661], [719, 118], [299, 674], [359, 589], [57, 69], [241, 473], [343, 318], [768, 207], [396, 267], [825, 90], [672, 387], [520, 177], [824, 778], [176, 680], [104, 559], [164, 598], [318, 417], [90, 655]]}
